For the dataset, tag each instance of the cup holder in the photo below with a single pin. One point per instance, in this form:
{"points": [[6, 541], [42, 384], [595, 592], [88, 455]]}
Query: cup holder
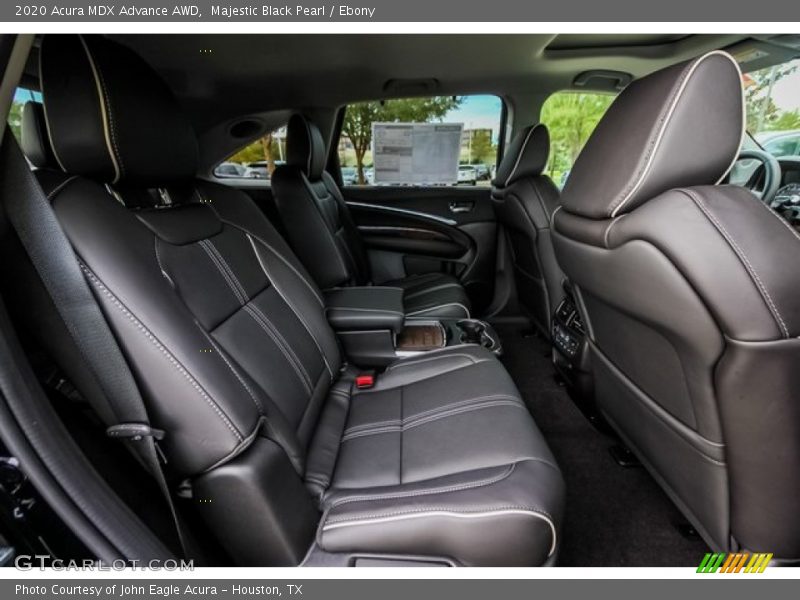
{"points": [[478, 332]]}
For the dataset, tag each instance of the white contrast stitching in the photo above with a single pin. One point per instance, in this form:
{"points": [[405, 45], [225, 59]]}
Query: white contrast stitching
{"points": [[428, 492], [454, 512], [664, 121], [413, 423], [437, 306], [431, 411], [521, 152], [740, 253], [285, 298], [260, 319], [783, 221], [432, 289], [408, 363], [278, 255], [109, 129], [180, 368]]}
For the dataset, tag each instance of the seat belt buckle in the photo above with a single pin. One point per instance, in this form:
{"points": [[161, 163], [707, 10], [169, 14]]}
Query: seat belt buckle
{"points": [[364, 381], [134, 431]]}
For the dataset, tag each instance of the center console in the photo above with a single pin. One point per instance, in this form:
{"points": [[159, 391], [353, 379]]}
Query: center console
{"points": [[420, 336], [371, 324]]}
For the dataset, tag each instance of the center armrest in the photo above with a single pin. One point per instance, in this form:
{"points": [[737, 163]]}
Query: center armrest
{"points": [[365, 308]]}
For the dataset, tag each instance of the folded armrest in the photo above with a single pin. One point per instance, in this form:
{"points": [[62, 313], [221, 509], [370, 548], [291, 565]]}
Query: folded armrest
{"points": [[365, 308]]}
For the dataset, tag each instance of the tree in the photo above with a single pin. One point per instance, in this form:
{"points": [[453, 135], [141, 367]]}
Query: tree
{"points": [[762, 111], [786, 120], [359, 117], [481, 149], [15, 118], [269, 146], [571, 117], [264, 148]]}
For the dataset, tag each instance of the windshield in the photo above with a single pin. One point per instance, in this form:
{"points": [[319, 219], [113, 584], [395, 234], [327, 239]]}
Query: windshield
{"points": [[772, 98]]}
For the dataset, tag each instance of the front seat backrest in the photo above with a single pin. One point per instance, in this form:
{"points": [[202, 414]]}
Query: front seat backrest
{"points": [[524, 201], [691, 305], [313, 211]]}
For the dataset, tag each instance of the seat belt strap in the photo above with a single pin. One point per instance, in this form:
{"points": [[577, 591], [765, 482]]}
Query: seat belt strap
{"points": [[122, 408]]}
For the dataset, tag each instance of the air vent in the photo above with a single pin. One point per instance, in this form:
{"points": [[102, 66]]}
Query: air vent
{"points": [[565, 311], [577, 324]]}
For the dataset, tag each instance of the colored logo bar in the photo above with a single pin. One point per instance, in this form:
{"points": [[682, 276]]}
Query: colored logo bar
{"points": [[734, 562]]}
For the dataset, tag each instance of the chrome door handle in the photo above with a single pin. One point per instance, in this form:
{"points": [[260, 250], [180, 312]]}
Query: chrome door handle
{"points": [[461, 207]]}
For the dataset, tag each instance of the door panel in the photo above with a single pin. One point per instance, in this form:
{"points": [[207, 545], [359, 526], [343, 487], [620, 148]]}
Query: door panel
{"points": [[413, 230], [434, 201]]}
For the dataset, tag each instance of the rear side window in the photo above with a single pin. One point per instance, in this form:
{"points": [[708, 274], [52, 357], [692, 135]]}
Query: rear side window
{"points": [[439, 140], [571, 118], [257, 160], [21, 96]]}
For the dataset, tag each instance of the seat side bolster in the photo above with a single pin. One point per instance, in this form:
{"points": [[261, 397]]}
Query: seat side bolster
{"points": [[309, 233]]}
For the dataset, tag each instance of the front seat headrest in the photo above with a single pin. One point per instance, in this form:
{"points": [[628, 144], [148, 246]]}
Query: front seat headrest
{"points": [[111, 117], [526, 156], [678, 127], [305, 148], [34, 139]]}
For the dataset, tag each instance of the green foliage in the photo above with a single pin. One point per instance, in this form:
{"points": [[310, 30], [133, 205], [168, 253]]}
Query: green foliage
{"points": [[15, 118], [250, 153], [481, 149], [785, 121], [359, 117], [762, 112], [264, 148], [571, 117]]}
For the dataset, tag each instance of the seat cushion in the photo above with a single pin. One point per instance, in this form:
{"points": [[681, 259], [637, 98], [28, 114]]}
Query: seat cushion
{"points": [[440, 458], [433, 295]]}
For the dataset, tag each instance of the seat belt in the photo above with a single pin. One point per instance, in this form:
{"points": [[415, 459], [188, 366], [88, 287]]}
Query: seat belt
{"points": [[121, 407]]}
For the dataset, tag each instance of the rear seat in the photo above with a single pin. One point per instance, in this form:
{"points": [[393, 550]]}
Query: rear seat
{"points": [[227, 336]]}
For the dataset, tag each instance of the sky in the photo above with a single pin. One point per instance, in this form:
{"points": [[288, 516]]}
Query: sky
{"points": [[478, 112], [786, 92]]}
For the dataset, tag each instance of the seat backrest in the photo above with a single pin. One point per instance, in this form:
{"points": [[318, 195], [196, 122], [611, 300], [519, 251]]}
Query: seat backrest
{"points": [[524, 201], [692, 309], [34, 141], [314, 214], [224, 329]]}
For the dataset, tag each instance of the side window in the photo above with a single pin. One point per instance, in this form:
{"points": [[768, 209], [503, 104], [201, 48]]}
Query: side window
{"points": [[257, 160], [772, 99], [783, 146], [21, 96], [440, 140], [571, 117]]}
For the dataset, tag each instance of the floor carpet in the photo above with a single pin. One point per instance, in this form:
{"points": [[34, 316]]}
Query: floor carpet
{"points": [[614, 516]]}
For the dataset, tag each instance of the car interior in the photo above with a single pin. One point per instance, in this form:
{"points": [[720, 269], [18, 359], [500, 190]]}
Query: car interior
{"points": [[318, 365]]}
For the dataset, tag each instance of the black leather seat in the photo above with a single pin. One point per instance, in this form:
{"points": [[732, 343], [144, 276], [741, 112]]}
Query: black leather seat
{"points": [[226, 334], [322, 233], [524, 201], [691, 304], [33, 137]]}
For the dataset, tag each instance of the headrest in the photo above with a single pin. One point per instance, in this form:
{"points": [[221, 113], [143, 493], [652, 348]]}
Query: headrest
{"points": [[305, 148], [111, 117], [681, 126], [526, 156], [34, 140]]}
